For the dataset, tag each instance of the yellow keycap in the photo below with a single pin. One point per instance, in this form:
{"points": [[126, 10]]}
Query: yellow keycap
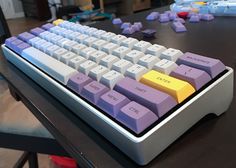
{"points": [[179, 89], [57, 22]]}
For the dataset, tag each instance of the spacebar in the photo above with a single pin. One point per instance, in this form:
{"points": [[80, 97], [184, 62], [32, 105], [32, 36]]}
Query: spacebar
{"points": [[51, 66]]}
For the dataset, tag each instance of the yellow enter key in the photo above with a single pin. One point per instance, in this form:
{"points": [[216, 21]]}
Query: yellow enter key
{"points": [[179, 89]]}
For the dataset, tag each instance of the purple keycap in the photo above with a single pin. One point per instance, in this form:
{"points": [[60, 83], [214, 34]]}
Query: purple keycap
{"points": [[78, 81], [8, 41], [168, 12], [116, 21], [191, 14], [47, 26], [194, 19], [19, 48], [207, 17], [149, 32], [111, 102], [178, 27], [13, 44], [152, 16], [36, 31], [164, 18], [125, 25], [128, 30], [93, 91], [136, 117], [196, 77], [172, 16], [210, 65], [26, 36], [139, 24], [135, 28], [181, 20], [157, 101]]}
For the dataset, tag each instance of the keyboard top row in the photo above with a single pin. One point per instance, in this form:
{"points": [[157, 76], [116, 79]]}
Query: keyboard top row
{"points": [[135, 83]]}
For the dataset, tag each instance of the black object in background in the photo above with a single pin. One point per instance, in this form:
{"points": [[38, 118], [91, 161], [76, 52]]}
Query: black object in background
{"points": [[4, 30]]}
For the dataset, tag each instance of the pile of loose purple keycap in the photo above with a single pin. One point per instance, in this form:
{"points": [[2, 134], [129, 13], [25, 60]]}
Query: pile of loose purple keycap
{"points": [[129, 28], [177, 22]]}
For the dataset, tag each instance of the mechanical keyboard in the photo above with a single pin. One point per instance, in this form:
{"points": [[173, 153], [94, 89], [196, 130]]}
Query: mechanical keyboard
{"points": [[139, 96]]}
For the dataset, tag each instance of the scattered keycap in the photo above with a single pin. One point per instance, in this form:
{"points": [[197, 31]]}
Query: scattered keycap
{"points": [[149, 32], [116, 21]]}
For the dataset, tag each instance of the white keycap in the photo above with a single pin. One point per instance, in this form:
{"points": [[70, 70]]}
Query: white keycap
{"points": [[148, 61], [97, 72], [44, 34], [54, 29], [108, 61], [165, 66], [136, 72], [109, 47], [86, 66], [86, 52], [121, 51], [58, 53], [171, 54], [155, 49], [118, 39], [50, 50], [121, 66], [45, 46], [90, 31], [77, 27], [81, 38], [56, 39], [68, 45], [78, 48], [34, 40], [111, 78], [65, 58], [141, 46], [73, 35], [108, 36], [98, 44], [134, 56], [66, 33], [39, 43], [129, 42], [97, 56], [50, 36], [83, 29], [62, 42], [54, 68], [89, 41], [99, 33], [61, 31], [75, 62]]}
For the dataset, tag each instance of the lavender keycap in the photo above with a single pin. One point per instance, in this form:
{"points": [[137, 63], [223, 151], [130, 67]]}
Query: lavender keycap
{"points": [[157, 101], [152, 16], [164, 18], [128, 30], [196, 77], [93, 91], [207, 17], [136, 117], [181, 20], [47, 26], [8, 41], [36, 31], [194, 19], [125, 25], [191, 14], [168, 12], [135, 28], [172, 16], [19, 48], [26, 36], [178, 27], [13, 44], [116, 21], [78, 81], [210, 65], [139, 24], [149, 32], [111, 102]]}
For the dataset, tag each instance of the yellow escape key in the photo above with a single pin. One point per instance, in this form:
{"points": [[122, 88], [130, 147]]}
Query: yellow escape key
{"points": [[179, 89], [57, 22]]}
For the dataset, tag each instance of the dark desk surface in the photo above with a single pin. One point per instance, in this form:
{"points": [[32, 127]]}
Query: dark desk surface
{"points": [[210, 143]]}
